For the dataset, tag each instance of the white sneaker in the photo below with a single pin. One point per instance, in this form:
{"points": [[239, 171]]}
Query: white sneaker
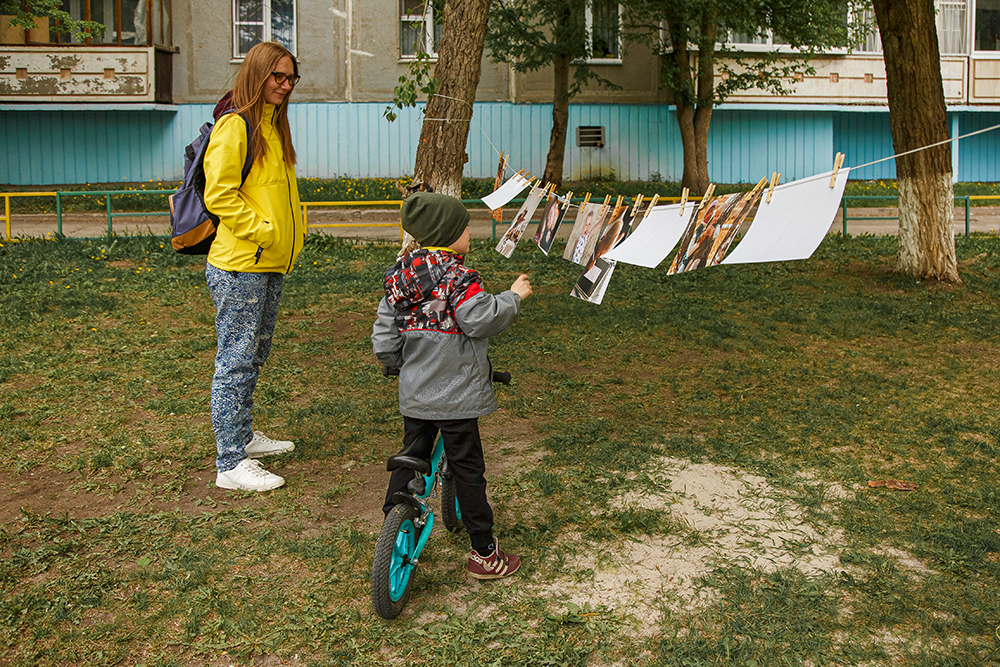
{"points": [[248, 476], [261, 445]]}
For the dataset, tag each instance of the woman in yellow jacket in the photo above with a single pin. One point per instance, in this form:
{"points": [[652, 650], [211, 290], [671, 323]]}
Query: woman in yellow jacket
{"points": [[260, 234]]}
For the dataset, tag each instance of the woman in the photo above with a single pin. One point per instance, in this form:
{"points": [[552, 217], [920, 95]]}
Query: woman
{"points": [[260, 234]]}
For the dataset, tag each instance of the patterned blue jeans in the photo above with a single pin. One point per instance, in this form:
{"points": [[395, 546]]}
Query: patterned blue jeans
{"points": [[246, 307]]}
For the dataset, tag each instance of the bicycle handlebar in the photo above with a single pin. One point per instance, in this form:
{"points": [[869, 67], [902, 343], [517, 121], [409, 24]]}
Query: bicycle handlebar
{"points": [[503, 377]]}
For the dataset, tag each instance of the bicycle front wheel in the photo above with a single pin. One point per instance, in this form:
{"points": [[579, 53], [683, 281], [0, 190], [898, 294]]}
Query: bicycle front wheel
{"points": [[392, 567]]}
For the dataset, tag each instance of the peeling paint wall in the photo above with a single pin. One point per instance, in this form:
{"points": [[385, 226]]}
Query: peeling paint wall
{"points": [[76, 74]]}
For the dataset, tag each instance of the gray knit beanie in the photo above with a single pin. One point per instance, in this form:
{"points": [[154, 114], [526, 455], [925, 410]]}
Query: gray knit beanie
{"points": [[434, 219]]}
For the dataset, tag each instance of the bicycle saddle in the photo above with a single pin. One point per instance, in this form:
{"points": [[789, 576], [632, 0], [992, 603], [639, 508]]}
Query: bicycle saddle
{"points": [[413, 463]]}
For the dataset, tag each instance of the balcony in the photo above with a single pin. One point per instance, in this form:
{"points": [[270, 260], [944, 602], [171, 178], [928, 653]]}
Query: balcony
{"points": [[86, 74]]}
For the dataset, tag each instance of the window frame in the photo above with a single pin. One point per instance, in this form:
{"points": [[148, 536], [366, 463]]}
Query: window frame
{"points": [[589, 22], [267, 26], [973, 21], [426, 20], [154, 26]]}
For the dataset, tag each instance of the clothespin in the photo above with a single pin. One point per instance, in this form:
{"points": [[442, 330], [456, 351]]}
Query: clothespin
{"points": [[638, 202], [684, 199], [708, 195], [569, 197], [775, 178], [652, 203], [586, 200], [838, 162], [619, 202], [604, 206]]}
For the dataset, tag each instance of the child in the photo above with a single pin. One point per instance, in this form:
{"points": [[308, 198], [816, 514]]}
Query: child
{"points": [[434, 325]]}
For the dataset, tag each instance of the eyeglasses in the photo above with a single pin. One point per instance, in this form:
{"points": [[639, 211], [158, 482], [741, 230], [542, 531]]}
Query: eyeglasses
{"points": [[281, 77]]}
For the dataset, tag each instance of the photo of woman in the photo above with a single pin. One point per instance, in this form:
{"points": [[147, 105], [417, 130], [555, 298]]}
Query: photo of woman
{"points": [[513, 234], [551, 219]]}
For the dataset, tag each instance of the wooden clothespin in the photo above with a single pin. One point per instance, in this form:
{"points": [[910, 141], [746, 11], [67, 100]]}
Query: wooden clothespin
{"points": [[684, 199], [569, 197], [705, 197], [604, 206], [619, 202], [586, 200], [638, 203], [838, 162], [652, 203], [775, 178]]}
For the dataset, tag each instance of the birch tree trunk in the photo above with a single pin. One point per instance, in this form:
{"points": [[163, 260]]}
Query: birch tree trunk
{"points": [[441, 155], [918, 117]]}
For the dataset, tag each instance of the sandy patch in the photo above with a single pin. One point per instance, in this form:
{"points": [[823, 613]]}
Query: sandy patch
{"points": [[722, 516]]}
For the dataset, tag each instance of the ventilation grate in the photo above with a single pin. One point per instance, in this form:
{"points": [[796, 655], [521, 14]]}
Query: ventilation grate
{"points": [[590, 136]]}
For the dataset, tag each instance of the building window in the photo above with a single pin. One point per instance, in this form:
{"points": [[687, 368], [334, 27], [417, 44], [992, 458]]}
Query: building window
{"points": [[987, 25], [420, 26], [127, 22], [604, 30], [952, 28], [256, 21]]}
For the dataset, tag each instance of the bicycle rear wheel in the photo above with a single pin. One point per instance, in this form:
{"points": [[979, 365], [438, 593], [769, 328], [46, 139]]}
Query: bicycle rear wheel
{"points": [[451, 513], [392, 567]]}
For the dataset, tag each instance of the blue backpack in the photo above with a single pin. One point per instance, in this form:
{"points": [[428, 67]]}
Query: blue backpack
{"points": [[192, 225]]}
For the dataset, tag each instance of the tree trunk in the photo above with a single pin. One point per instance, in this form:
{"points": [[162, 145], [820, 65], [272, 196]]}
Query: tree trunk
{"points": [[918, 117], [441, 155], [695, 118], [560, 122]]}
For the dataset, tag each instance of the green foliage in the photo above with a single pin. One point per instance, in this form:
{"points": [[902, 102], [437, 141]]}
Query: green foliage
{"points": [[705, 27], [24, 12], [532, 34], [417, 81]]}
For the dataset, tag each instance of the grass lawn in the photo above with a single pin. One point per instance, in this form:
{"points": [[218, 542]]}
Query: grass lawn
{"points": [[684, 470]]}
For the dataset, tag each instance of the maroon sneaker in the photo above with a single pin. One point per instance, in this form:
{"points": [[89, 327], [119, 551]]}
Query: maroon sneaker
{"points": [[495, 566]]}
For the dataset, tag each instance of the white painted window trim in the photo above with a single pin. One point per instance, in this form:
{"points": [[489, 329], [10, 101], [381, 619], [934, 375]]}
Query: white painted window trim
{"points": [[427, 19], [266, 32], [589, 17]]}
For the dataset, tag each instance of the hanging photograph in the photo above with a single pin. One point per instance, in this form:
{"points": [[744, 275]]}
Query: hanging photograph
{"points": [[512, 188], [594, 282], [597, 270], [793, 224], [585, 232], [650, 243], [633, 216], [712, 229], [514, 233], [552, 218]]}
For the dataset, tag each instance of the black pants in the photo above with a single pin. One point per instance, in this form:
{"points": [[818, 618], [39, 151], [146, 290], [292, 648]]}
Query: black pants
{"points": [[464, 449]]}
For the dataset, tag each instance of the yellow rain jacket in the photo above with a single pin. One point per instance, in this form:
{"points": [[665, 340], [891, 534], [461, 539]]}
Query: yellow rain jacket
{"points": [[260, 223]]}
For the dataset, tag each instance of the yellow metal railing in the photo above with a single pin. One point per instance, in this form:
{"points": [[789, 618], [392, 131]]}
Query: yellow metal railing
{"points": [[6, 206], [306, 205]]}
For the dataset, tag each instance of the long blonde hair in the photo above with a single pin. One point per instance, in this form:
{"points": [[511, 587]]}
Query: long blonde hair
{"points": [[248, 97]]}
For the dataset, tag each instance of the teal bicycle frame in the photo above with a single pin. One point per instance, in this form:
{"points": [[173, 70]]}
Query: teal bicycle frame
{"points": [[405, 554]]}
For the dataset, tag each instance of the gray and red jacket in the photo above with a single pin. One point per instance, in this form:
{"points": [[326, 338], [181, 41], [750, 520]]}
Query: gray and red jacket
{"points": [[434, 325]]}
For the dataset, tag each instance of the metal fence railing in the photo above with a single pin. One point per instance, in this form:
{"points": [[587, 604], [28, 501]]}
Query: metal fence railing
{"points": [[965, 200]]}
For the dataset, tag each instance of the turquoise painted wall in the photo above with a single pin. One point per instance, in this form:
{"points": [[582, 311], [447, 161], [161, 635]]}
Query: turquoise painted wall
{"points": [[343, 139]]}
